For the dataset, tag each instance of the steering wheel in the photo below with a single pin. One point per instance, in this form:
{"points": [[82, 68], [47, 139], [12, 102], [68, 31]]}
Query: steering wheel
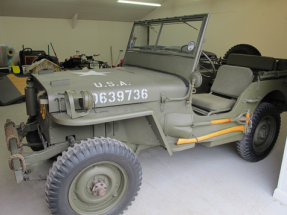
{"points": [[210, 61]]}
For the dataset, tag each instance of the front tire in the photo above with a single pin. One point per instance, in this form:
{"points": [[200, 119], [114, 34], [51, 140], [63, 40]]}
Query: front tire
{"points": [[97, 176], [257, 144]]}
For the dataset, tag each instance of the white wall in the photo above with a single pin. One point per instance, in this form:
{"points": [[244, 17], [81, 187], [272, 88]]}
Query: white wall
{"points": [[280, 192], [1, 30], [261, 23], [90, 37]]}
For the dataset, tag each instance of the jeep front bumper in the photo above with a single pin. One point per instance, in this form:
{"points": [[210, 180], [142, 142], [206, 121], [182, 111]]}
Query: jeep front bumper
{"points": [[16, 160]]}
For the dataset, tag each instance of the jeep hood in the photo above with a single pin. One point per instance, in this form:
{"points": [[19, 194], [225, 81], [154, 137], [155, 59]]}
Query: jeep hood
{"points": [[115, 86]]}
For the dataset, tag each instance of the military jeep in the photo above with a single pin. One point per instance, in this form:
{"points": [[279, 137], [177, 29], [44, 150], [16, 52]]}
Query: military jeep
{"points": [[169, 94]]}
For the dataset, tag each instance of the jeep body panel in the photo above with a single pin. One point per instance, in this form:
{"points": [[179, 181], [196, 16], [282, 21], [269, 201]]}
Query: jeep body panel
{"points": [[165, 79], [180, 124], [111, 87]]}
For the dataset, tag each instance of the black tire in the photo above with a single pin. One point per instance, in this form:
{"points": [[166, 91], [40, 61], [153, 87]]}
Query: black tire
{"points": [[72, 163], [242, 49], [257, 144]]}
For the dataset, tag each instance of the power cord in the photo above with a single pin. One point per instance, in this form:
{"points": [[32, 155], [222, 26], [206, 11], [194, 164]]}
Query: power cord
{"points": [[118, 57]]}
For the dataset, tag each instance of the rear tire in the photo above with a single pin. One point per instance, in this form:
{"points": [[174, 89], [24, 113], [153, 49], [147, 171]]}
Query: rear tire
{"points": [[71, 187], [242, 49], [257, 144]]}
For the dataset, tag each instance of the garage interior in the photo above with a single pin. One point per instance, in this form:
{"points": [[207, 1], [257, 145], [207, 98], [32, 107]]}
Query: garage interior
{"points": [[200, 180]]}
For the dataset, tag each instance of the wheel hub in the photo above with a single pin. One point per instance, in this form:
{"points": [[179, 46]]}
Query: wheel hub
{"points": [[99, 189], [102, 180], [263, 132]]}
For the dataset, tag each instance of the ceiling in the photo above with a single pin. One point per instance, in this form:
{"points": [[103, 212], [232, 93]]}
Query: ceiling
{"points": [[86, 9]]}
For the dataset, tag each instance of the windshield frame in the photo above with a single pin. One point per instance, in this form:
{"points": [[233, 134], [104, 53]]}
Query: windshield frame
{"points": [[180, 19]]}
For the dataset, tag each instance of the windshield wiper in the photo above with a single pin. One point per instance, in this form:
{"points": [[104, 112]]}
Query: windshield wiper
{"points": [[190, 25], [151, 27]]}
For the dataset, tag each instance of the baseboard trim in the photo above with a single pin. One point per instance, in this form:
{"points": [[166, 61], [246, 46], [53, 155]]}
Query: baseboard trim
{"points": [[280, 195]]}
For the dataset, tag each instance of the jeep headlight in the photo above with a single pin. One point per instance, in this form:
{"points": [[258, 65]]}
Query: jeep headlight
{"points": [[87, 100], [84, 99]]}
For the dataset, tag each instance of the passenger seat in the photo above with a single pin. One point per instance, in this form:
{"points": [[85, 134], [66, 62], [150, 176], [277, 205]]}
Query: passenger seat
{"points": [[229, 83]]}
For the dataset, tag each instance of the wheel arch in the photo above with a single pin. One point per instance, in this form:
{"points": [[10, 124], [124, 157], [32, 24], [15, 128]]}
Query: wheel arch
{"points": [[142, 133], [277, 98], [129, 119]]}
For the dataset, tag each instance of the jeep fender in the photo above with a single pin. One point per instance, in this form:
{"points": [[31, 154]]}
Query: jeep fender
{"points": [[257, 92], [110, 114]]}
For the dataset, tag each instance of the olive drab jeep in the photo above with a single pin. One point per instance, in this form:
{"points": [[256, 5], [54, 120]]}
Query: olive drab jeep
{"points": [[168, 93]]}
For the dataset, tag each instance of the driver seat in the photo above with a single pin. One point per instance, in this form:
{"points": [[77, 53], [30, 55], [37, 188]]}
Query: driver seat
{"points": [[229, 83]]}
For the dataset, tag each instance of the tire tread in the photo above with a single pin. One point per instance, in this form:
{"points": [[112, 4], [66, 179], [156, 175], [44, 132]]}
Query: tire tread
{"points": [[244, 146], [243, 49], [74, 155]]}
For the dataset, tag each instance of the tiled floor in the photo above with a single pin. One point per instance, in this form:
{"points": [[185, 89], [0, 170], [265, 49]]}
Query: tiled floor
{"points": [[207, 181]]}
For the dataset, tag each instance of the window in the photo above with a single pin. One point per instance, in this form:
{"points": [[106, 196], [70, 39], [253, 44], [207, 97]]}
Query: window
{"points": [[179, 38], [144, 37]]}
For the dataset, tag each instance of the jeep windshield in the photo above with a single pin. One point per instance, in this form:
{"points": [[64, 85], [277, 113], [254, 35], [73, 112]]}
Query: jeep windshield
{"points": [[180, 36], [170, 45]]}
